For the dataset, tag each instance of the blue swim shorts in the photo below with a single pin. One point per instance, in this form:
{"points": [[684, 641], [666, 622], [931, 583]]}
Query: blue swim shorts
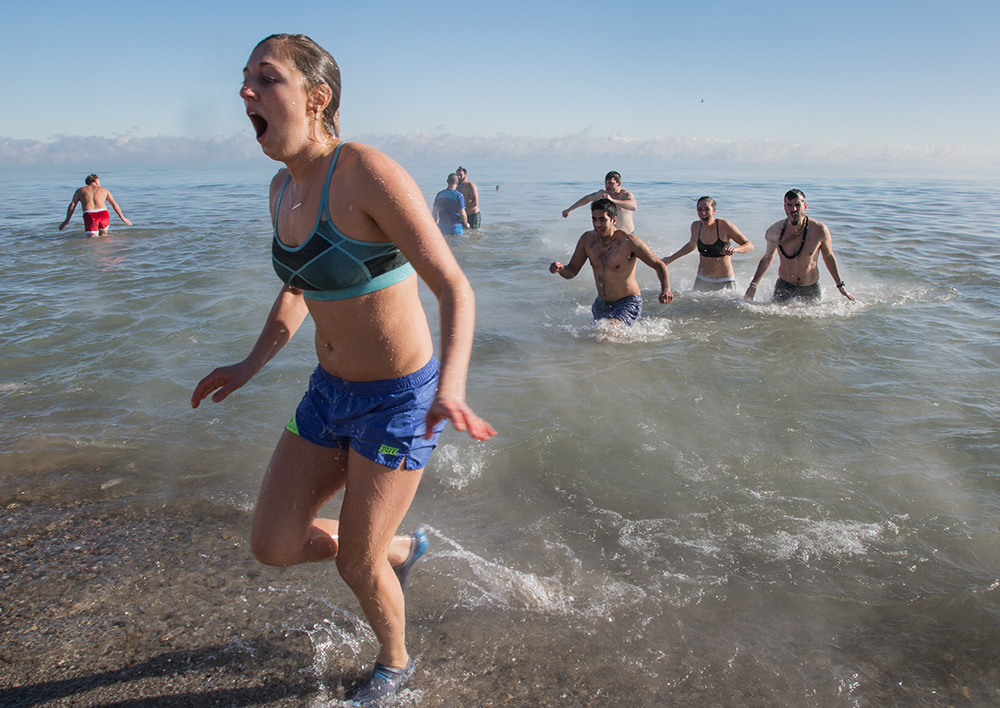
{"points": [[380, 420], [626, 310]]}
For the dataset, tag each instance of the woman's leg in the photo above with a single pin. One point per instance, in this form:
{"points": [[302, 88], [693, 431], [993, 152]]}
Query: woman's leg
{"points": [[375, 501], [299, 480]]}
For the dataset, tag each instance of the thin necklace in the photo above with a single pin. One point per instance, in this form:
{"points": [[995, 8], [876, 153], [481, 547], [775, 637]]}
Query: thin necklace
{"points": [[300, 203]]}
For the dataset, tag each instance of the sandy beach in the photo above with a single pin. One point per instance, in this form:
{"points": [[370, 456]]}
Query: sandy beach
{"points": [[84, 626]]}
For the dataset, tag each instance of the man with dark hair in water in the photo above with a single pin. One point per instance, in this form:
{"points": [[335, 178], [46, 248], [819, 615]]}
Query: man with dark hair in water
{"points": [[613, 192], [449, 209], [613, 253], [800, 243], [471, 194], [96, 219]]}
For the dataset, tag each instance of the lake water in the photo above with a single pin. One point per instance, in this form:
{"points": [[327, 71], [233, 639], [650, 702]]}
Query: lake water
{"points": [[739, 503]]}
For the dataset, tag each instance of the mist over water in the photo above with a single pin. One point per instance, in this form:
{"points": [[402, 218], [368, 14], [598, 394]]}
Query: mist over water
{"points": [[743, 502]]}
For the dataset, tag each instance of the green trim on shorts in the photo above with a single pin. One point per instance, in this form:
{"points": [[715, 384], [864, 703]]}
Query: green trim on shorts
{"points": [[292, 426]]}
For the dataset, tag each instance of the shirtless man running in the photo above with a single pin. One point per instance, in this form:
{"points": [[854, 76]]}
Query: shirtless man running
{"points": [[93, 196], [612, 191], [800, 243], [613, 253]]}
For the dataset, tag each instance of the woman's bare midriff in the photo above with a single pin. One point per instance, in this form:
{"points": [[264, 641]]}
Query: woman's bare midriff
{"points": [[381, 335], [715, 267]]}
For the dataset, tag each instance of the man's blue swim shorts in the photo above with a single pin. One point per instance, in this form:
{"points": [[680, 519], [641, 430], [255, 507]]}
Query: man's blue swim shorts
{"points": [[380, 420], [627, 309]]}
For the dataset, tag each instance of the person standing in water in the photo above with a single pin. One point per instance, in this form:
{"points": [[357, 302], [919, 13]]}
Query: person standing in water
{"points": [[714, 239], [471, 194], [613, 191], [800, 243], [449, 209], [95, 199], [613, 254], [351, 235]]}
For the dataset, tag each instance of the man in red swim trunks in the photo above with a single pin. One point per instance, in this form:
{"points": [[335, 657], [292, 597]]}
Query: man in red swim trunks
{"points": [[94, 198]]}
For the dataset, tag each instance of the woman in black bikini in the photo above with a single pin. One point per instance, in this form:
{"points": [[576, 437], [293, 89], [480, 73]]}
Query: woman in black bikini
{"points": [[714, 239], [351, 234]]}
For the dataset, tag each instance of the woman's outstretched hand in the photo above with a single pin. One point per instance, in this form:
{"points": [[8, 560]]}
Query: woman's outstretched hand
{"points": [[461, 416]]}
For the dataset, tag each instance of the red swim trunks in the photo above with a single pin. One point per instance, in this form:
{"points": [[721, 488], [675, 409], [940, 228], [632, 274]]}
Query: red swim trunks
{"points": [[94, 221]]}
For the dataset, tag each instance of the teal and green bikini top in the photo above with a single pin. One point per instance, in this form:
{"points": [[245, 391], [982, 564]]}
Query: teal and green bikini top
{"points": [[332, 266]]}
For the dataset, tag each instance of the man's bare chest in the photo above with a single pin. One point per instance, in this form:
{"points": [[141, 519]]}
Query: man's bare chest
{"points": [[615, 255]]}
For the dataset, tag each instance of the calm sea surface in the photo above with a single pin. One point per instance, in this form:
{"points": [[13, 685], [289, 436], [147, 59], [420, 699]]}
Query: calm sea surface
{"points": [[802, 499]]}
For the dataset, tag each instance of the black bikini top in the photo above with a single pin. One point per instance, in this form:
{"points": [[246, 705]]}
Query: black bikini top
{"points": [[716, 248]]}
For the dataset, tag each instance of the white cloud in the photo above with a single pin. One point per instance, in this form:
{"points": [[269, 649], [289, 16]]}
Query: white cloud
{"points": [[126, 150], [661, 149], [129, 150]]}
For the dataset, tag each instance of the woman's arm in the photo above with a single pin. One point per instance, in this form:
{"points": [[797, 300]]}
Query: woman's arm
{"points": [[287, 314], [393, 201], [685, 249], [736, 235]]}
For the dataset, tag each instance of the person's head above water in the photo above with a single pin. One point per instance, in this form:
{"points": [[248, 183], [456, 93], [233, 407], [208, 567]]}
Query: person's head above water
{"points": [[705, 208], [319, 70], [795, 205], [605, 205], [91, 178]]}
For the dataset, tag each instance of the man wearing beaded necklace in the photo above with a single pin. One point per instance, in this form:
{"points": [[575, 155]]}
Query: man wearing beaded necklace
{"points": [[800, 243]]}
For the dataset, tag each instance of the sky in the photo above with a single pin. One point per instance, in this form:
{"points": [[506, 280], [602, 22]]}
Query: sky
{"points": [[855, 76]]}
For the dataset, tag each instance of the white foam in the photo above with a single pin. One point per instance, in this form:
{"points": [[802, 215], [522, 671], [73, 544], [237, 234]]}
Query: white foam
{"points": [[456, 466], [819, 539], [497, 585]]}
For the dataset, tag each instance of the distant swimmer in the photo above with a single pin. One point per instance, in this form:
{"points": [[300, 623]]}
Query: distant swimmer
{"points": [[449, 209], [613, 254], [800, 242], [471, 194], [714, 239], [93, 196], [622, 198]]}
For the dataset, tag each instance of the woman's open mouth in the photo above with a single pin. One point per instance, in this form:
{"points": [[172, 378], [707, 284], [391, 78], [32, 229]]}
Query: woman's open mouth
{"points": [[259, 124]]}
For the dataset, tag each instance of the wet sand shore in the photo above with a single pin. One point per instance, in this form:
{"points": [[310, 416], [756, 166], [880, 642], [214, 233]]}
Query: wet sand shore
{"points": [[106, 602], [121, 600]]}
